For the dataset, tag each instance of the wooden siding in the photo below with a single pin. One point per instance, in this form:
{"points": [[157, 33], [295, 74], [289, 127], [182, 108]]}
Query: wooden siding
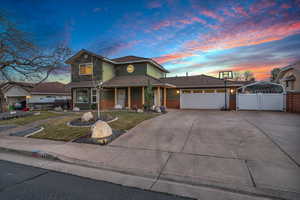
{"points": [[154, 72], [139, 69], [97, 69]]}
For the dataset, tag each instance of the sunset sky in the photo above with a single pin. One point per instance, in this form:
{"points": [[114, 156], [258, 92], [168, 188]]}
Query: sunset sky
{"points": [[195, 36]]}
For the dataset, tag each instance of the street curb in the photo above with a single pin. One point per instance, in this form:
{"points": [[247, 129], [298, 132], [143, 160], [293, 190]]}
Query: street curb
{"points": [[279, 195], [35, 153]]}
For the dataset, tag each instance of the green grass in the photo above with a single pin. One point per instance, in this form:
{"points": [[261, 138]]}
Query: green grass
{"points": [[58, 130], [31, 118], [128, 120]]}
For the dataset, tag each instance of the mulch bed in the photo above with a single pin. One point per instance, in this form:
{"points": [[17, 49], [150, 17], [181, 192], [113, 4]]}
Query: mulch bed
{"points": [[88, 140], [23, 133], [78, 122]]}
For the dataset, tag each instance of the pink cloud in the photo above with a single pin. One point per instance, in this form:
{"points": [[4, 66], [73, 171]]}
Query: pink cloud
{"points": [[172, 56], [285, 6], [246, 34], [228, 13], [260, 5], [178, 22], [253, 35], [212, 15], [240, 10]]}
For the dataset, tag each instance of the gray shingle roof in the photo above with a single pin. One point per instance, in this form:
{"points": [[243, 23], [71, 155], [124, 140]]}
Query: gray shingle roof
{"points": [[200, 81]]}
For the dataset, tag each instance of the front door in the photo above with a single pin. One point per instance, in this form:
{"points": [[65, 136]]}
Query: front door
{"points": [[121, 97]]}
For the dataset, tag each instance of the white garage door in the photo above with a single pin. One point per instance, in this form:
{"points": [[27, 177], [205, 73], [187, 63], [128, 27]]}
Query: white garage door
{"points": [[203, 100], [260, 101]]}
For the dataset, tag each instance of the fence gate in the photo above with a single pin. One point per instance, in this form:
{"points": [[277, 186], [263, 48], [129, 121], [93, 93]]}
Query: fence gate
{"points": [[260, 101]]}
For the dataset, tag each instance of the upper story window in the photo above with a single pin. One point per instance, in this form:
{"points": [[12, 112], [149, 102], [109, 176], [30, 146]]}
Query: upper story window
{"points": [[86, 69]]}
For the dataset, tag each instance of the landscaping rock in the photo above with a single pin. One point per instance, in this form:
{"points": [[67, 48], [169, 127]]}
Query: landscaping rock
{"points": [[139, 110], [86, 117], [118, 106], [157, 109], [76, 109], [101, 130], [153, 108], [58, 109]]}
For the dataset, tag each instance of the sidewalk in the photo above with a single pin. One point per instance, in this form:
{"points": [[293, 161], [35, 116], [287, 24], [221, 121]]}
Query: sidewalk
{"points": [[161, 167]]}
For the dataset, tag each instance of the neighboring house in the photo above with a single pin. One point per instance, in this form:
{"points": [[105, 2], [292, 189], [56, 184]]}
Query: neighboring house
{"points": [[124, 80], [289, 77], [45, 94]]}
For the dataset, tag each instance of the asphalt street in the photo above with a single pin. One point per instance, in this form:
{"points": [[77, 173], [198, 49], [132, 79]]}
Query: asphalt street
{"points": [[29, 183]]}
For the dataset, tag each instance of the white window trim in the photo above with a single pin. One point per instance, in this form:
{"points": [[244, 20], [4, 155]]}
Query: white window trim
{"points": [[93, 95], [86, 64], [77, 99]]}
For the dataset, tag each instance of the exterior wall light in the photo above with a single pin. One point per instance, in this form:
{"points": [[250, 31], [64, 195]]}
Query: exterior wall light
{"points": [[231, 91], [28, 97], [177, 91]]}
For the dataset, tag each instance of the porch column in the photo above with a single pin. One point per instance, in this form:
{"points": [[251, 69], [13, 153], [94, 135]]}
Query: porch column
{"points": [[143, 95], [74, 97], [116, 97], [165, 97], [158, 96], [129, 97]]}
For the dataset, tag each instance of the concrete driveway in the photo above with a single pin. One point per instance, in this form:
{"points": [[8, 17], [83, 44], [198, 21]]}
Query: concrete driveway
{"points": [[236, 149]]}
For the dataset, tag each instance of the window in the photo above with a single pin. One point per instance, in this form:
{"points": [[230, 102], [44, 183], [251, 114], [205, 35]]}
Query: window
{"points": [[220, 90], [82, 96], [86, 69], [209, 91], [186, 91], [197, 91], [94, 96]]}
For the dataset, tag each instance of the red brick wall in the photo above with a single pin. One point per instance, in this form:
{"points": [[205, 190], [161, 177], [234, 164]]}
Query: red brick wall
{"points": [[293, 102], [107, 104], [173, 103]]}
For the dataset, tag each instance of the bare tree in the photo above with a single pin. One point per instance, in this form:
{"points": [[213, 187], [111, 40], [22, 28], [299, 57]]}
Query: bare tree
{"points": [[243, 76], [22, 59], [248, 76], [237, 76], [274, 74]]}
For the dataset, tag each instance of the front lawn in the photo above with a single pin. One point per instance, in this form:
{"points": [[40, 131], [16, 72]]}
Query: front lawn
{"points": [[31, 118], [58, 130], [128, 120]]}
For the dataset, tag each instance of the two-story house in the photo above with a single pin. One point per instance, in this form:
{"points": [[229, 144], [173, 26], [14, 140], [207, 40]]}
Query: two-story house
{"points": [[125, 79]]}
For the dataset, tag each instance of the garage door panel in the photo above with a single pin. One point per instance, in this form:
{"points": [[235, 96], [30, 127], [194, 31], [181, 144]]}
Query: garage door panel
{"points": [[202, 101]]}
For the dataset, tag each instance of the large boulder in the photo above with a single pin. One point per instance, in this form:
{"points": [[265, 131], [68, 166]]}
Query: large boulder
{"points": [[101, 130], [76, 109], [58, 108], [86, 117]]}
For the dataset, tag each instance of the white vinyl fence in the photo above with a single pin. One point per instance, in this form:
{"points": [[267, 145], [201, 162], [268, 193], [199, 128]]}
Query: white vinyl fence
{"points": [[260, 101]]}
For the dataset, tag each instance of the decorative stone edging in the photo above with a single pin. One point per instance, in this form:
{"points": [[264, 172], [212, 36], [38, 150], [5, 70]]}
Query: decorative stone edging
{"points": [[35, 132], [69, 124]]}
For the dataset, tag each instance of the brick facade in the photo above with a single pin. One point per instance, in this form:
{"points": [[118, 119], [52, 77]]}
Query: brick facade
{"points": [[293, 102]]}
